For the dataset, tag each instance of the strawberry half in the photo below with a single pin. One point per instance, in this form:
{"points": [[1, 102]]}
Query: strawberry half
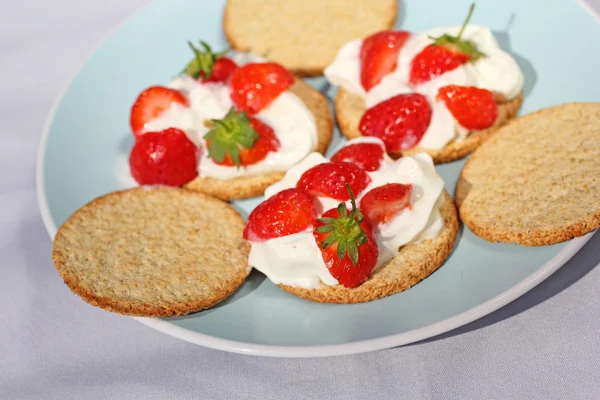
{"points": [[446, 53], [287, 212], [151, 103], [240, 140], [254, 86], [472, 107], [164, 158], [367, 156], [330, 180], [208, 66], [379, 56], [400, 121], [347, 244], [383, 203]]}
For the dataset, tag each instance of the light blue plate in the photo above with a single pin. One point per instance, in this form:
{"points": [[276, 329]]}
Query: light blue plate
{"points": [[88, 132]]}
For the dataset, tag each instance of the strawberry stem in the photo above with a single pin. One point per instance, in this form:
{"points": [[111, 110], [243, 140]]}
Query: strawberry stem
{"points": [[345, 230], [203, 62], [464, 25]]}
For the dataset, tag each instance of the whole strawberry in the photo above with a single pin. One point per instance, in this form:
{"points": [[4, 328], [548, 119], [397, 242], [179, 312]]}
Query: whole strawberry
{"points": [[446, 53], [400, 121], [330, 180], [240, 140], [347, 245], [164, 158], [287, 212], [379, 56], [472, 107], [254, 86], [208, 66]]}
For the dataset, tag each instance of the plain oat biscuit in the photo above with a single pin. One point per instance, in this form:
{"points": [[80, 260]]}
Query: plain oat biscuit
{"points": [[252, 186], [411, 265], [349, 109], [537, 181], [303, 35], [152, 252]]}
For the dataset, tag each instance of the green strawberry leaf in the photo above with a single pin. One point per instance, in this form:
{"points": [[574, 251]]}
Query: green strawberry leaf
{"points": [[457, 44], [228, 135], [203, 62]]}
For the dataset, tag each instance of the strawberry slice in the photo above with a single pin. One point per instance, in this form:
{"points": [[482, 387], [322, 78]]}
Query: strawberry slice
{"points": [[446, 53], [164, 158], [472, 107], [383, 203], [287, 212], [330, 179], [366, 156], [379, 56], [240, 140], [208, 66], [347, 245], [151, 103], [254, 86], [400, 121]]}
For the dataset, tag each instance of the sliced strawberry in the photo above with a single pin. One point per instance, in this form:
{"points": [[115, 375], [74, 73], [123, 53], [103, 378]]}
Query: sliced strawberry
{"points": [[164, 158], [330, 179], [287, 212], [383, 203], [347, 245], [255, 86], [472, 107], [400, 121], [366, 156], [240, 140], [446, 53], [151, 103], [379, 56], [433, 61], [208, 66]]}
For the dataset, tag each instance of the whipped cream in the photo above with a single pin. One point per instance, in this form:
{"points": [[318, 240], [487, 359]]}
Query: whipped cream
{"points": [[498, 73], [293, 124], [296, 260]]}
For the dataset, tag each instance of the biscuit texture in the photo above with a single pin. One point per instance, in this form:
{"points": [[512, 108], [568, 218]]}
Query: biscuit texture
{"points": [[537, 181], [303, 35], [252, 186], [152, 252], [350, 107], [411, 265]]}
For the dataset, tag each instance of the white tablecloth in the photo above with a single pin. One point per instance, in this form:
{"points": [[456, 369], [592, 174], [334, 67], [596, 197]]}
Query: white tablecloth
{"points": [[545, 345]]}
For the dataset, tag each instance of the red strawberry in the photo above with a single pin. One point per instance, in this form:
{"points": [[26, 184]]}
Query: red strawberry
{"points": [[164, 158], [445, 54], [330, 179], [208, 66], [400, 121], [287, 212], [151, 103], [240, 140], [383, 203], [347, 244], [223, 68], [367, 156], [472, 107], [379, 56], [255, 86]]}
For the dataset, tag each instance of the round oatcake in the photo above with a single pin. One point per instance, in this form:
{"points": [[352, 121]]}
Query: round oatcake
{"points": [[152, 252], [411, 265], [251, 186], [303, 35], [537, 181], [350, 107]]}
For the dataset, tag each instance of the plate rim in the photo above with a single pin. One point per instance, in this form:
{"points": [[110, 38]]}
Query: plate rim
{"points": [[266, 350]]}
